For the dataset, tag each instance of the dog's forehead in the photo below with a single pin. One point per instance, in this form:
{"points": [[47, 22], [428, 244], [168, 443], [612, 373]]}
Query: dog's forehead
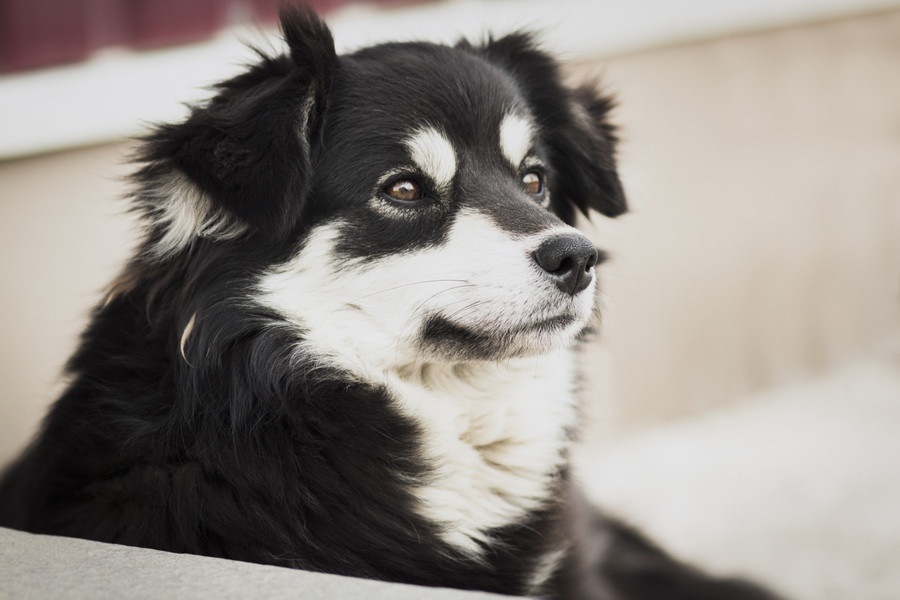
{"points": [[403, 89]]}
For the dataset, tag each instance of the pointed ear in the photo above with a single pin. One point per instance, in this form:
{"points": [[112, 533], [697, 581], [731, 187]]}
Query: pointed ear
{"points": [[573, 124], [242, 162]]}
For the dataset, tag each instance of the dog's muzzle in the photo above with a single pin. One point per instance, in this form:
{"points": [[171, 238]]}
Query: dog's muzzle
{"points": [[568, 260]]}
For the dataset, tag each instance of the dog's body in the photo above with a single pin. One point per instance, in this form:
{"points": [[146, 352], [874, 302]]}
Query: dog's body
{"points": [[346, 344]]}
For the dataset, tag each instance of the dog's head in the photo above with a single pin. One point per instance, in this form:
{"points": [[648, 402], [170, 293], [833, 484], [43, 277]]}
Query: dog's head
{"points": [[405, 202]]}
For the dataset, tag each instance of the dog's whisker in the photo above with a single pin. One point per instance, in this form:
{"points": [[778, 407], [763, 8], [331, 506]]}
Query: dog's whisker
{"points": [[464, 309], [415, 313], [421, 305], [404, 285]]}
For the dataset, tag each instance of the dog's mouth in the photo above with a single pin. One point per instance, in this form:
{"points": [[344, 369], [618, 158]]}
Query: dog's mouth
{"points": [[456, 340], [546, 325]]}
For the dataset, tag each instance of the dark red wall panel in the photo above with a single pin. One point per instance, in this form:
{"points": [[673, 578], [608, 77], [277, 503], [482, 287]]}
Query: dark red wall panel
{"points": [[36, 33]]}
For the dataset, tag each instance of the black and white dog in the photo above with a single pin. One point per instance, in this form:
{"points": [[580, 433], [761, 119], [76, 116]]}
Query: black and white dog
{"points": [[346, 343]]}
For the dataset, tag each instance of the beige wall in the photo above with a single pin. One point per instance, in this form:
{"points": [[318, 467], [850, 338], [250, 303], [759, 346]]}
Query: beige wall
{"points": [[764, 244], [63, 234], [765, 239]]}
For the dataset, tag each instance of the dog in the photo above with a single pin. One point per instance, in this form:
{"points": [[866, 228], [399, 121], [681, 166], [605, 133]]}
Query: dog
{"points": [[346, 342]]}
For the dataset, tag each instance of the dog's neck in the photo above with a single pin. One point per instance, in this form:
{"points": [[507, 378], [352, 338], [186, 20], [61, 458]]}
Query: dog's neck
{"points": [[496, 435]]}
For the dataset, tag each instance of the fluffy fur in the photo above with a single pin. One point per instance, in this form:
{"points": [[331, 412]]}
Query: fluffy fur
{"points": [[303, 366]]}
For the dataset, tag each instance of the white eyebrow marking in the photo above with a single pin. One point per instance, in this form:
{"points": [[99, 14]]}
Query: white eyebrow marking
{"points": [[516, 138], [433, 153]]}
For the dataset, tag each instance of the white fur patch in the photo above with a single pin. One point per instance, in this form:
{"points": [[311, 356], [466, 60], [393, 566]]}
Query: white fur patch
{"points": [[186, 213], [516, 138], [185, 335], [496, 434], [495, 431], [434, 155], [546, 568]]}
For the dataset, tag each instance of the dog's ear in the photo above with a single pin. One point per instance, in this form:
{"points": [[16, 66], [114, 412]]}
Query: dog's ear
{"points": [[574, 125], [242, 162]]}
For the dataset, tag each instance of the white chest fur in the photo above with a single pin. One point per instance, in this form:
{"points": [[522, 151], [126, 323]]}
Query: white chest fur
{"points": [[495, 435]]}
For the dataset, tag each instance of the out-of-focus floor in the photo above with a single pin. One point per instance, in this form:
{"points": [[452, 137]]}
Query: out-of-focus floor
{"points": [[797, 486]]}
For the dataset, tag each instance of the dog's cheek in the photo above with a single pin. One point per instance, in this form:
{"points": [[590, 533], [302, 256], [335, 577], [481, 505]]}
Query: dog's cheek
{"points": [[353, 310]]}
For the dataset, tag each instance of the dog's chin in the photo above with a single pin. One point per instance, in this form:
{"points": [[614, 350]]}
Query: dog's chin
{"points": [[446, 340]]}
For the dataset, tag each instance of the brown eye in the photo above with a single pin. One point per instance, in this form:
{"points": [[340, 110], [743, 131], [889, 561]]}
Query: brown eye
{"points": [[404, 190], [533, 183]]}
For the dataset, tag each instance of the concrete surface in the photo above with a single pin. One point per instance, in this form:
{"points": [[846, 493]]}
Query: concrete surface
{"points": [[43, 567]]}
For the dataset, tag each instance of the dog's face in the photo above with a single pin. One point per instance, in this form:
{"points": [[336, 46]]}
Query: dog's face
{"points": [[415, 200]]}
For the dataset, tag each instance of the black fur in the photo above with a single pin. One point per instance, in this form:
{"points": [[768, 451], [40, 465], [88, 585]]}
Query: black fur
{"points": [[227, 442], [580, 139]]}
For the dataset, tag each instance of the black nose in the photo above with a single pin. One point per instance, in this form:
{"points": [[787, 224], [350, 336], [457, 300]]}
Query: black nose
{"points": [[569, 260]]}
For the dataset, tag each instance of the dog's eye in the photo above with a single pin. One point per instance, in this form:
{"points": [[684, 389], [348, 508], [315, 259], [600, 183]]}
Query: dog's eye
{"points": [[533, 183], [404, 190]]}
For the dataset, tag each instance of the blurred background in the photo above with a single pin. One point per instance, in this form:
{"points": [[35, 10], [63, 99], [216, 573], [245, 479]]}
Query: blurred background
{"points": [[743, 398]]}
